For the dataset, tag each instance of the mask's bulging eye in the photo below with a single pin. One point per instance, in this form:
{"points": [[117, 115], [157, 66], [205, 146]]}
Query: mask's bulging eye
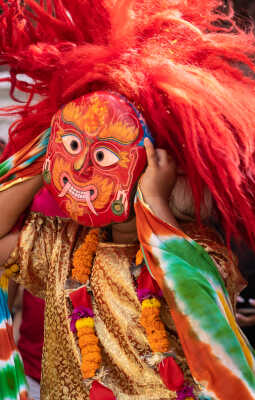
{"points": [[105, 157], [72, 144]]}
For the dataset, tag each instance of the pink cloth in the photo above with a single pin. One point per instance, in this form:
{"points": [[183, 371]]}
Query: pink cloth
{"points": [[44, 203]]}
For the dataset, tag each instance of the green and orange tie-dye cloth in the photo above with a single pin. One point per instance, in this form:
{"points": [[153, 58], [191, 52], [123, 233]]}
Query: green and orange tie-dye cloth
{"points": [[26, 163], [13, 384], [220, 358]]}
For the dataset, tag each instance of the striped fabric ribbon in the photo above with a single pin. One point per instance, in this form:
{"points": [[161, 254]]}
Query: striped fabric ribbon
{"points": [[13, 385], [26, 163]]}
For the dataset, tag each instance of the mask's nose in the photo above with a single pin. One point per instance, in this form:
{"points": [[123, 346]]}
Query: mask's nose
{"points": [[87, 172], [83, 165]]}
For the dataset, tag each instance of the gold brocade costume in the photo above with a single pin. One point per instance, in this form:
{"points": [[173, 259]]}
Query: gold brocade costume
{"points": [[44, 254]]}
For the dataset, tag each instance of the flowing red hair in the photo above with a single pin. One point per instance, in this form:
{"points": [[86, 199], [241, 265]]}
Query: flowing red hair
{"points": [[181, 62]]}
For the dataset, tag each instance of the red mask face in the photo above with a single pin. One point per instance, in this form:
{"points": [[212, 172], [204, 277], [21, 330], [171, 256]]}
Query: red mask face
{"points": [[95, 157]]}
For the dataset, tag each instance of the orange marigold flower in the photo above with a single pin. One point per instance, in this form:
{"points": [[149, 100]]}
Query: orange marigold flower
{"points": [[139, 257], [90, 348], [83, 256], [88, 339], [85, 331], [95, 357], [155, 329]]}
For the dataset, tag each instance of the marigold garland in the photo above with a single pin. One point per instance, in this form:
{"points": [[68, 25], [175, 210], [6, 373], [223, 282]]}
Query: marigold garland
{"points": [[83, 257], [90, 350], [154, 328], [88, 342], [149, 295]]}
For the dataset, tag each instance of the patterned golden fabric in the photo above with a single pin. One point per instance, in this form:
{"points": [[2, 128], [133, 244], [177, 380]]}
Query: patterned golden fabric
{"points": [[45, 257]]}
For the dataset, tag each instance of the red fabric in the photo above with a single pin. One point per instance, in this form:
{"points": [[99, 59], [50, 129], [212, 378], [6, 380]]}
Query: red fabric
{"points": [[146, 282], [80, 297], [30, 343], [171, 374], [100, 392]]}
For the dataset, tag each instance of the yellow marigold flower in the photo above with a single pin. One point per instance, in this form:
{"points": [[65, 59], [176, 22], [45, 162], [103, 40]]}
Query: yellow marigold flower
{"points": [[80, 323], [151, 303]]}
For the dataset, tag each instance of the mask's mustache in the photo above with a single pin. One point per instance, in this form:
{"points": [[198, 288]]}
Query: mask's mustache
{"points": [[86, 196]]}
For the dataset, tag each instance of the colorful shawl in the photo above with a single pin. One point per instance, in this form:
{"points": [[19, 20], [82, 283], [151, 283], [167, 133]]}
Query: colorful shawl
{"points": [[219, 356], [13, 384], [26, 163]]}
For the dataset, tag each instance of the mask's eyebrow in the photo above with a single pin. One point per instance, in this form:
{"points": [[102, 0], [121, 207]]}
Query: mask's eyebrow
{"points": [[119, 132], [67, 129]]}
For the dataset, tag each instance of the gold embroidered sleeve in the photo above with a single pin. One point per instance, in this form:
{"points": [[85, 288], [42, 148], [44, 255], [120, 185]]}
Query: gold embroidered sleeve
{"points": [[42, 241]]}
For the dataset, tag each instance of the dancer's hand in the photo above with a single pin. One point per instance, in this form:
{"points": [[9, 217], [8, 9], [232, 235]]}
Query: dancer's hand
{"points": [[158, 181], [160, 175]]}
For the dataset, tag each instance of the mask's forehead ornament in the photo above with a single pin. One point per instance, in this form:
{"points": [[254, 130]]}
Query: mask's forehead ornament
{"points": [[95, 157]]}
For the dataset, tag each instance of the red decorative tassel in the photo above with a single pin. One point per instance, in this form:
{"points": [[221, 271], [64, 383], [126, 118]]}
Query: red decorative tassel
{"points": [[171, 374], [100, 392], [147, 286], [80, 297]]}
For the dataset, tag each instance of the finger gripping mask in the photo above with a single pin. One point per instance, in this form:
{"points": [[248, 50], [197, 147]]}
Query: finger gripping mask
{"points": [[95, 156]]}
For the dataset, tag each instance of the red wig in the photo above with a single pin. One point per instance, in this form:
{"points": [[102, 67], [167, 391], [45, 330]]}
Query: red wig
{"points": [[181, 62]]}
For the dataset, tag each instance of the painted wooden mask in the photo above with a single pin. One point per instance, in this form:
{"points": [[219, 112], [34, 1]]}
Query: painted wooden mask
{"points": [[95, 156]]}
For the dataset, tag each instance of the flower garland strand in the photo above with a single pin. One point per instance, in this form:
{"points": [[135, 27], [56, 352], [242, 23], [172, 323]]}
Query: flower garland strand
{"points": [[82, 322], [82, 317], [83, 257], [154, 328], [149, 295]]}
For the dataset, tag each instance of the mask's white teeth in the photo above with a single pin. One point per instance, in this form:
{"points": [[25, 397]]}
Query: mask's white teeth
{"points": [[65, 190], [89, 203]]}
